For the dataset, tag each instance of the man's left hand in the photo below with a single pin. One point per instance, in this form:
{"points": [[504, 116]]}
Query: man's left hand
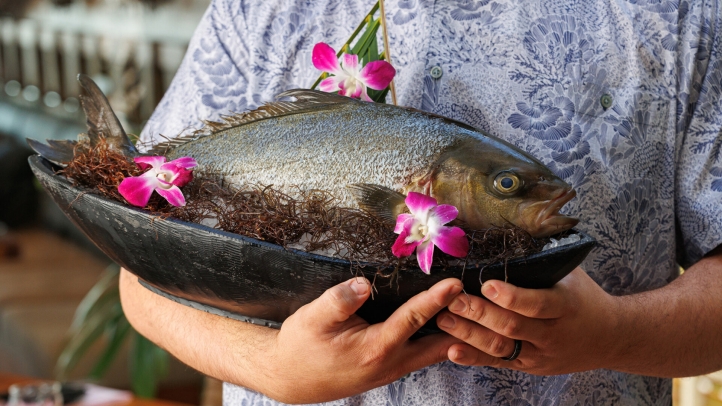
{"points": [[567, 328]]}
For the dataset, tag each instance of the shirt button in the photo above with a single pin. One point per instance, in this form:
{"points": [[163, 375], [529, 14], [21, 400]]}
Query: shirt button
{"points": [[606, 101], [436, 72]]}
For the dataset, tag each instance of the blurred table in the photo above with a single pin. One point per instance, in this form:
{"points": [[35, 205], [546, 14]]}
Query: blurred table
{"points": [[6, 380]]}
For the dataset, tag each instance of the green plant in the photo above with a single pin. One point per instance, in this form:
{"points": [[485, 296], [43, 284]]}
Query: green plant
{"points": [[100, 317]]}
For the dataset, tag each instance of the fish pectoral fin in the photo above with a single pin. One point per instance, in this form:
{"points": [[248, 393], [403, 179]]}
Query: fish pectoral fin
{"points": [[379, 201], [57, 152]]}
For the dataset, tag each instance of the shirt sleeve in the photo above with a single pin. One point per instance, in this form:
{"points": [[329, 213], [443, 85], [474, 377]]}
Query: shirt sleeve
{"points": [[698, 179]]}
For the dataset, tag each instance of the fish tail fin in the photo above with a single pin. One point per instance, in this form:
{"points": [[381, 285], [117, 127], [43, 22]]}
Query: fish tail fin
{"points": [[102, 123], [57, 152]]}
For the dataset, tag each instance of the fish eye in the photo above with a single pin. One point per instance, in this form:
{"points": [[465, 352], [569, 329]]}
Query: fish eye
{"points": [[507, 182]]}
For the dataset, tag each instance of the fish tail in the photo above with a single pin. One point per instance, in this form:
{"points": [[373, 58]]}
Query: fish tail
{"points": [[60, 153], [102, 124]]}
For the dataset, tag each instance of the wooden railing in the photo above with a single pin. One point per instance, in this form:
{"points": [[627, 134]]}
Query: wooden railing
{"points": [[132, 50]]}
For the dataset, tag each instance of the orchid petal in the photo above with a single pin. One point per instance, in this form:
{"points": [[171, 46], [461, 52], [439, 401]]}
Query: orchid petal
{"points": [[185, 162], [357, 92], [403, 223], [164, 184], [324, 58], [403, 249], [365, 96], [331, 84], [350, 63], [173, 195], [444, 213], [419, 204], [144, 162], [452, 240], [137, 190], [152, 173], [377, 74], [184, 177], [170, 167], [425, 256]]}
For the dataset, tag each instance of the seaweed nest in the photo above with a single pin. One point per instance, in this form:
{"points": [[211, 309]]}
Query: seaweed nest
{"points": [[312, 222]]}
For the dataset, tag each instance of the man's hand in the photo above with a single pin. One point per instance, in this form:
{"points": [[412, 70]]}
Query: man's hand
{"points": [[322, 352], [567, 328], [331, 353], [672, 331]]}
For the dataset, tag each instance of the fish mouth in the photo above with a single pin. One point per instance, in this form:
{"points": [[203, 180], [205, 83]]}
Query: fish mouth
{"points": [[548, 221]]}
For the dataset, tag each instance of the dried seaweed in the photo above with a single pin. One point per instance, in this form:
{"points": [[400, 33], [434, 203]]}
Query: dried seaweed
{"points": [[311, 221]]}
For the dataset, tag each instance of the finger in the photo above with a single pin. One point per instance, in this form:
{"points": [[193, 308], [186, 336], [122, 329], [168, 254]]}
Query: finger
{"points": [[497, 319], [425, 351], [476, 335], [336, 304], [418, 310], [533, 303], [464, 354]]}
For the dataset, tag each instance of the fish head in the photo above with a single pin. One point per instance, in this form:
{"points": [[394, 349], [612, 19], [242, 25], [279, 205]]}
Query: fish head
{"points": [[493, 183]]}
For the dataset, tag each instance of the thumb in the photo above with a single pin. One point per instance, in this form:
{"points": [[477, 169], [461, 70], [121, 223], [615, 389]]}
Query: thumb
{"points": [[337, 304]]}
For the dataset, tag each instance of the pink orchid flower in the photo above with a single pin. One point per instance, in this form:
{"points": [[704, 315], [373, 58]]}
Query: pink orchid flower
{"points": [[424, 228], [348, 80], [164, 178]]}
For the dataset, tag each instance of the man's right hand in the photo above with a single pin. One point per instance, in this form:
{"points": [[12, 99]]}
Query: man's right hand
{"points": [[323, 351]]}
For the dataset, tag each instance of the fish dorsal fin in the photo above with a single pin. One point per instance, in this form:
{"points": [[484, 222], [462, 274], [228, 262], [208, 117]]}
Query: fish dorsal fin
{"points": [[306, 100], [446, 119], [380, 201]]}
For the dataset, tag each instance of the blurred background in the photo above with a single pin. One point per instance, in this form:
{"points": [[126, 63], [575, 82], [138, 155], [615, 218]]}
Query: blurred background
{"points": [[132, 49], [60, 316]]}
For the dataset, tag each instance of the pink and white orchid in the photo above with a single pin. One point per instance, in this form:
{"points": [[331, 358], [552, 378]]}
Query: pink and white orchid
{"points": [[424, 228], [164, 178], [347, 79]]}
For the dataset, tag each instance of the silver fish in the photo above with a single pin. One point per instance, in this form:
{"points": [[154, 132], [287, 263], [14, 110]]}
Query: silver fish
{"points": [[368, 155]]}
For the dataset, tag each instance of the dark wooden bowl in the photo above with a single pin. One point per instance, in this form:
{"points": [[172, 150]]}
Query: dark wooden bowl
{"points": [[258, 282]]}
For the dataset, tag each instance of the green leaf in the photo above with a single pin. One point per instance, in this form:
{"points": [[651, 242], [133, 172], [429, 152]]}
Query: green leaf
{"points": [[86, 335], [149, 363], [362, 45], [379, 96], [373, 52], [106, 289], [119, 332]]}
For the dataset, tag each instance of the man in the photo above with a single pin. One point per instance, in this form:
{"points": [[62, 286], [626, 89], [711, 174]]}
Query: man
{"points": [[620, 98]]}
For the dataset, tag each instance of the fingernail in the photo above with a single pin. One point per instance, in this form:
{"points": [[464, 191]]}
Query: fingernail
{"points": [[459, 355], [457, 306], [489, 291], [359, 287], [455, 289], [447, 322]]}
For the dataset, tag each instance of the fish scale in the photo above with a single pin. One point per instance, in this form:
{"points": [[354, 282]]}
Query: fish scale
{"points": [[327, 149]]}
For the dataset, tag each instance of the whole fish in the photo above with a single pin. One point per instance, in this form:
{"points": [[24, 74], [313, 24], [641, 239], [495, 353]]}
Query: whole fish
{"points": [[368, 155]]}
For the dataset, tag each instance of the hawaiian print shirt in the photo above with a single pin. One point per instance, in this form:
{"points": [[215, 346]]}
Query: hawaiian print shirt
{"points": [[621, 98]]}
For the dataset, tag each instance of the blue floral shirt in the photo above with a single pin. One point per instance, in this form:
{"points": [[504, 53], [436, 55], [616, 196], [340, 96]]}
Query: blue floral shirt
{"points": [[621, 98]]}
